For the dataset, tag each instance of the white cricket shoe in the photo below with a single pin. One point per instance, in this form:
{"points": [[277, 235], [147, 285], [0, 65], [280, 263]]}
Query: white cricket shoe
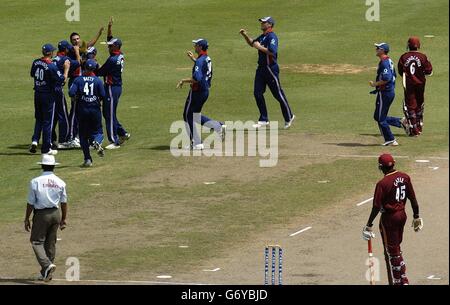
{"points": [[65, 145], [48, 272], [390, 143], [260, 124], [52, 152], [198, 146], [124, 138], [288, 124], [112, 146], [87, 163], [33, 147]]}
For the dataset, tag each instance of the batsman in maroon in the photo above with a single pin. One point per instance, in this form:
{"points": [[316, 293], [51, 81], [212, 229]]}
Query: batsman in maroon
{"points": [[413, 66], [390, 197]]}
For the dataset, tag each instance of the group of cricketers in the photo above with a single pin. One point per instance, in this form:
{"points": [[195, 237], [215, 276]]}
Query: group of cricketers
{"points": [[75, 63]]}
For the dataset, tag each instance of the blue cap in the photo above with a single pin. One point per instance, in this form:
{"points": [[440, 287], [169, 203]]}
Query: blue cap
{"points": [[382, 45], [115, 42], [64, 44], [201, 42], [91, 52], [267, 19], [90, 64], [48, 48]]}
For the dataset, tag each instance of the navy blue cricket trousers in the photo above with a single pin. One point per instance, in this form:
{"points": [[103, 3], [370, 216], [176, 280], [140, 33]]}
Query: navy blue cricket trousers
{"points": [[269, 76]]}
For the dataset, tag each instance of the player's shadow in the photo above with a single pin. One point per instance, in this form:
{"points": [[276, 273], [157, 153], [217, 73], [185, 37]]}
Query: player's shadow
{"points": [[20, 146], [15, 154], [376, 135], [352, 144], [20, 281], [159, 147]]}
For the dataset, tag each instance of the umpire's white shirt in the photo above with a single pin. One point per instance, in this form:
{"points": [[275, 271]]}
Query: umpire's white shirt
{"points": [[47, 191]]}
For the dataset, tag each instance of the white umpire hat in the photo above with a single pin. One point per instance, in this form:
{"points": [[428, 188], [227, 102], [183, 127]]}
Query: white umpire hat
{"points": [[48, 160]]}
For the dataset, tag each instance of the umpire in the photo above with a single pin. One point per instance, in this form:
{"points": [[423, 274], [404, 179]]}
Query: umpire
{"points": [[46, 194]]}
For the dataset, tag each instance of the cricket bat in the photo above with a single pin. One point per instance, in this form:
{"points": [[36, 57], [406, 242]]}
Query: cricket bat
{"points": [[371, 264]]}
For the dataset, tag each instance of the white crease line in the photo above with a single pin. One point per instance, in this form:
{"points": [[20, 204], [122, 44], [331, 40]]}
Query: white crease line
{"points": [[423, 161], [365, 201], [301, 231], [125, 282], [211, 270], [431, 277], [349, 156], [433, 167]]}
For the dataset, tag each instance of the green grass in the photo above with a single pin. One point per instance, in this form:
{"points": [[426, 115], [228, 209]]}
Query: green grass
{"points": [[156, 35]]}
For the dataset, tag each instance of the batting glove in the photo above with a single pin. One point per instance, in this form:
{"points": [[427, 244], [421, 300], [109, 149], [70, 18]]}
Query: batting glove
{"points": [[367, 233], [417, 224]]}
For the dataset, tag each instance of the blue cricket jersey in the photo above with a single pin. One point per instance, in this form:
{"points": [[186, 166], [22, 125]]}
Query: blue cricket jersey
{"points": [[202, 72], [268, 40], [46, 75], [89, 90], [59, 61], [386, 72], [112, 69]]}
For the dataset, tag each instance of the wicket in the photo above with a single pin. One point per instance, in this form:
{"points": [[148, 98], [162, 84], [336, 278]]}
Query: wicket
{"points": [[274, 263]]}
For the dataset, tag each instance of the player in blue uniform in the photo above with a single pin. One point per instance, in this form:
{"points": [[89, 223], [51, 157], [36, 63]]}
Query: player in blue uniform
{"points": [[62, 114], [88, 91], [267, 73], [47, 78], [385, 91], [198, 95], [112, 71]]}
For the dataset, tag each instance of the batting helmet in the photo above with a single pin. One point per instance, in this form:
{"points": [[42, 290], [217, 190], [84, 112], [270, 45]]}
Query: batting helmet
{"points": [[386, 160]]}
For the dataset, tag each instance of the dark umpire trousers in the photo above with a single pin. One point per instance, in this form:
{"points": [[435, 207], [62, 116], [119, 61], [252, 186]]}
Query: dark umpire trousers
{"points": [[43, 235], [44, 111], [114, 129], [269, 76]]}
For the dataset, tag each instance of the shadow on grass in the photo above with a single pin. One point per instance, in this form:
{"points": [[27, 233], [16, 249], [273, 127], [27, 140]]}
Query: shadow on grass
{"points": [[158, 147], [20, 146], [352, 144], [17, 154], [20, 281], [39, 168], [376, 135]]}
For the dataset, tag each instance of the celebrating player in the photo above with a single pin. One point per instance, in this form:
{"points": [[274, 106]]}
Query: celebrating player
{"points": [[79, 50], [413, 66], [390, 197], [62, 115], [267, 72], [88, 91], [112, 71], [198, 95], [47, 78], [385, 91]]}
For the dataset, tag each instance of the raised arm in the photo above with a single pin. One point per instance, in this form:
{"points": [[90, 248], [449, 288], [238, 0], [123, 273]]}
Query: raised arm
{"points": [[95, 39], [110, 23], [247, 38]]}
